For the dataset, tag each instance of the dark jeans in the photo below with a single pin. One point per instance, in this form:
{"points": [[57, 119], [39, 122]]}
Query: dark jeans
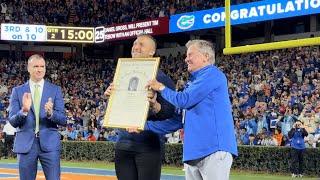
{"points": [[132, 165], [297, 165], [8, 145]]}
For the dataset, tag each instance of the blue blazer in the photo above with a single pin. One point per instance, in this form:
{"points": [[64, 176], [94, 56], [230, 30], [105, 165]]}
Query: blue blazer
{"points": [[48, 135]]}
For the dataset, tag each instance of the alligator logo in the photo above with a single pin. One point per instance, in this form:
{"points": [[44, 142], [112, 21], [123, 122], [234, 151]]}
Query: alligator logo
{"points": [[185, 22]]}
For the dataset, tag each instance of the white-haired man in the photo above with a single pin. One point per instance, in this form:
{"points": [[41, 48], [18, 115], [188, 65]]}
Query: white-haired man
{"points": [[209, 140]]}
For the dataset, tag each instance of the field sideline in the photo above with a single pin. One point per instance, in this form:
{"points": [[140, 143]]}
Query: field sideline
{"points": [[166, 170]]}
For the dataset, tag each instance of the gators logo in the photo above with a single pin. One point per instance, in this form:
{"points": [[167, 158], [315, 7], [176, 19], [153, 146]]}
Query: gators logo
{"points": [[185, 22]]}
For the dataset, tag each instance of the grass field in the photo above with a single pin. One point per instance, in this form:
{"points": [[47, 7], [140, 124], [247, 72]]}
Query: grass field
{"points": [[235, 175]]}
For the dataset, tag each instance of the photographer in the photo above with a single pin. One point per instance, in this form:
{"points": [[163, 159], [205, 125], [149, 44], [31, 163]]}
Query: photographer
{"points": [[297, 134]]}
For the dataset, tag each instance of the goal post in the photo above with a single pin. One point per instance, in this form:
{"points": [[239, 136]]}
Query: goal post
{"points": [[228, 50]]}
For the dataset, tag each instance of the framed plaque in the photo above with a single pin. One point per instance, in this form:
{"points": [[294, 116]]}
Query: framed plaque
{"points": [[128, 104]]}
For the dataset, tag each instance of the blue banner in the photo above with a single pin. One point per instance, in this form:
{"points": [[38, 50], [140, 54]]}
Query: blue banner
{"points": [[243, 13]]}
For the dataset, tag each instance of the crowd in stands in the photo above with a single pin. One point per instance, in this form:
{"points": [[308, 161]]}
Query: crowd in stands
{"points": [[269, 91], [97, 12]]}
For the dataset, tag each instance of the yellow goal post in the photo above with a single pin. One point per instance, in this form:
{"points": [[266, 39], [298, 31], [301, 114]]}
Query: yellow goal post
{"points": [[228, 50]]}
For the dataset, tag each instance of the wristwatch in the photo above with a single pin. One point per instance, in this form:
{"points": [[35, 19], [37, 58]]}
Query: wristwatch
{"points": [[161, 87]]}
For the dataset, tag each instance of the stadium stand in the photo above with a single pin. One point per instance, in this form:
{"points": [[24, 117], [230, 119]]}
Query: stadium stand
{"points": [[269, 92]]}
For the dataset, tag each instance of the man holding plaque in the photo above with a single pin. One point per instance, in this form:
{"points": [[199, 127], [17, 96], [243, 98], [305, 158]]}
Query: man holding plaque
{"points": [[209, 138], [138, 155]]}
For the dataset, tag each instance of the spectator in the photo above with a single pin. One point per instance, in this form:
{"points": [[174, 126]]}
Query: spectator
{"points": [[266, 140], [308, 118], [244, 136], [9, 133], [112, 136], [1, 140], [286, 122], [309, 141], [4, 8], [252, 140], [80, 137], [297, 135], [91, 137], [278, 136], [101, 137]]}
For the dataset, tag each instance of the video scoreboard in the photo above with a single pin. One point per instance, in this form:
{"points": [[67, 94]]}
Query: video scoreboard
{"points": [[23, 32], [42, 33], [69, 34]]}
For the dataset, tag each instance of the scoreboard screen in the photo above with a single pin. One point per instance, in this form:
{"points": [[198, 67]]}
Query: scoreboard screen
{"points": [[42, 33], [70, 34], [23, 32]]}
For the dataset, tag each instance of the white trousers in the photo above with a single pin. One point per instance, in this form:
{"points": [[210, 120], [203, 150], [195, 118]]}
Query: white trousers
{"points": [[214, 167]]}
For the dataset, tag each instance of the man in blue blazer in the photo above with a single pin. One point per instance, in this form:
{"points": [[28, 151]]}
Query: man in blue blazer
{"points": [[36, 109]]}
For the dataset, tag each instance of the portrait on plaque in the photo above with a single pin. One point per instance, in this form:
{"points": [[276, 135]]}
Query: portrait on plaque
{"points": [[128, 104], [133, 84]]}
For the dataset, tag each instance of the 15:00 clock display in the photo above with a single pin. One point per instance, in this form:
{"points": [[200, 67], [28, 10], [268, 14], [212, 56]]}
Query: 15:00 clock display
{"points": [[70, 34]]}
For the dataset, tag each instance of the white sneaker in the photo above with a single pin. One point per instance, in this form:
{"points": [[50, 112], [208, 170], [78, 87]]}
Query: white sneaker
{"points": [[300, 175], [293, 175]]}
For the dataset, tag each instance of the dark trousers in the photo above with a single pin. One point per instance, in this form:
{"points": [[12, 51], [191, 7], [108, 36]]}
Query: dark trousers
{"points": [[297, 165], [8, 145], [132, 165], [28, 163]]}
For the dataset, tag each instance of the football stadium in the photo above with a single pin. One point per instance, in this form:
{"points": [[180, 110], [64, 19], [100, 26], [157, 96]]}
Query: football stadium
{"points": [[159, 90]]}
